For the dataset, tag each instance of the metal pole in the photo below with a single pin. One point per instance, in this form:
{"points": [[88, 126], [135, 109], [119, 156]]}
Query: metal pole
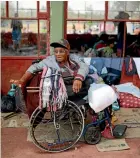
{"points": [[65, 18], [124, 40], [17, 7], [106, 14], [48, 29], [7, 9], [38, 26]]}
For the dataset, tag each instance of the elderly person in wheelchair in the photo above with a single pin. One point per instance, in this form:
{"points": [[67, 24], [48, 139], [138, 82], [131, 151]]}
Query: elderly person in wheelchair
{"points": [[68, 123], [73, 70]]}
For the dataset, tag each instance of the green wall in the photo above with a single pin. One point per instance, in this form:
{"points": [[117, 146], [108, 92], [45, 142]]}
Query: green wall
{"points": [[56, 21]]}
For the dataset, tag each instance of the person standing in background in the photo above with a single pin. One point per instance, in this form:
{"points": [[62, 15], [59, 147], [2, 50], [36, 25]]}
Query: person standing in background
{"points": [[121, 34], [120, 38], [16, 26]]}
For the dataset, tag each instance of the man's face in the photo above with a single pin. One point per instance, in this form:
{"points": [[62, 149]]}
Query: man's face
{"points": [[61, 54]]}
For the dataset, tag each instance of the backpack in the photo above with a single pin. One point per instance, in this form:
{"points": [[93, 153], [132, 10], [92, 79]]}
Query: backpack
{"points": [[13, 101], [8, 104]]}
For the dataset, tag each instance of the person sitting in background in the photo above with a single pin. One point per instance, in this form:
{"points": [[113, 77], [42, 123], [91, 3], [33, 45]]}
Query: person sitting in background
{"points": [[108, 51], [16, 26], [80, 45], [134, 49], [101, 42], [81, 50], [93, 49], [90, 53]]}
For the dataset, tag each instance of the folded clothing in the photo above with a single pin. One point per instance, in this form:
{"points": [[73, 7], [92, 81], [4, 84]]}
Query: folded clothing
{"points": [[129, 88]]}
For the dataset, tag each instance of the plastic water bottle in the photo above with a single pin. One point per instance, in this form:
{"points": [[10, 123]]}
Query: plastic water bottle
{"points": [[12, 90], [115, 106]]}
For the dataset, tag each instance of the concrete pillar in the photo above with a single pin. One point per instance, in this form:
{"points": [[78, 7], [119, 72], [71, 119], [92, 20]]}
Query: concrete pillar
{"points": [[56, 21]]}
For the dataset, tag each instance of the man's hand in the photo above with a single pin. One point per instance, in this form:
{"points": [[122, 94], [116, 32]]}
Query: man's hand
{"points": [[77, 85], [23, 80], [19, 83]]}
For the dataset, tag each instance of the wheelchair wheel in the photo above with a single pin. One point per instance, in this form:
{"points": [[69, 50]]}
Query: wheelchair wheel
{"points": [[92, 135], [57, 131]]}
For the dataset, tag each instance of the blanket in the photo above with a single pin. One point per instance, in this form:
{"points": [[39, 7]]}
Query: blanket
{"points": [[52, 90], [129, 88], [113, 65]]}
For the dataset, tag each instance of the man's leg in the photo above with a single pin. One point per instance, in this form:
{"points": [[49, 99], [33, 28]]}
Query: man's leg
{"points": [[88, 81], [18, 39], [83, 92], [77, 98], [14, 39]]}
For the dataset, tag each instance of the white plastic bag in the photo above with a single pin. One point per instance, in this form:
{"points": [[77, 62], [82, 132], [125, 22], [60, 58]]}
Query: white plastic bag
{"points": [[101, 96]]}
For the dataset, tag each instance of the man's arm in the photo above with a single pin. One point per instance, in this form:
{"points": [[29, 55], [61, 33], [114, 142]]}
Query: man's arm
{"points": [[83, 70], [30, 72], [81, 74], [37, 66]]}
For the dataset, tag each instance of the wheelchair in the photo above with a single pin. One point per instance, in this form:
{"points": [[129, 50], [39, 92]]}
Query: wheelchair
{"points": [[60, 130], [56, 131]]}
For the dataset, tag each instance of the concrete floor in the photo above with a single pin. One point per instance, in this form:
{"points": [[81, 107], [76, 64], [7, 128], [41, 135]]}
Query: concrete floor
{"points": [[15, 145]]}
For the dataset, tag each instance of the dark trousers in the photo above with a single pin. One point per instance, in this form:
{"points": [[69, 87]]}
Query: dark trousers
{"points": [[76, 97]]}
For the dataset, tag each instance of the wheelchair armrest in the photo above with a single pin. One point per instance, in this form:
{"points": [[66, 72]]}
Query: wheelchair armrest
{"points": [[68, 78]]}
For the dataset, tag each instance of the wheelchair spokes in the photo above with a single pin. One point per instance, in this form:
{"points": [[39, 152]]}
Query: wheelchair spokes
{"points": [[58, 131]]}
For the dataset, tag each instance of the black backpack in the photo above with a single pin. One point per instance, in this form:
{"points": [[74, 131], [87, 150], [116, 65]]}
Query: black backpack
{"points": [[8, 104], [14, 103]]}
